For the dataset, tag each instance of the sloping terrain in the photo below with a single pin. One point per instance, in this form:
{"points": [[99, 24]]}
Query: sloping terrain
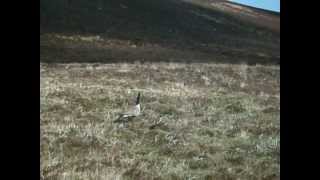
{"points": [[188, 31], [260, 17], [210, 82]]}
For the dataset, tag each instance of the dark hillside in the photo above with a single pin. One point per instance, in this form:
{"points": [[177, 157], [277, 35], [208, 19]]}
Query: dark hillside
{"points": [[183, 26]]}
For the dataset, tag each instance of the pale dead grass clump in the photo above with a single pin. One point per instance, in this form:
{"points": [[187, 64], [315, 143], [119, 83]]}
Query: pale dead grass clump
{"points": [[215, 121]]}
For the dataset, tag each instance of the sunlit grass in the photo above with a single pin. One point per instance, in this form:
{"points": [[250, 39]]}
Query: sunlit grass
{"points": [[217, 121]]}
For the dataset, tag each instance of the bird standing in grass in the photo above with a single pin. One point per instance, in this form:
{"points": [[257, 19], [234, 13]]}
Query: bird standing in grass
{"points": [[131, 113]]}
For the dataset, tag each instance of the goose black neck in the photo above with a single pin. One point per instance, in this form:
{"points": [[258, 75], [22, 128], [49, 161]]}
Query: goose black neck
{"points": [[138, 99]]}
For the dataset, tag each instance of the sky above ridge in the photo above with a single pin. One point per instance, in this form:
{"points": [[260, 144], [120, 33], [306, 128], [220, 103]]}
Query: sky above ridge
{"points": [[273, 5]]}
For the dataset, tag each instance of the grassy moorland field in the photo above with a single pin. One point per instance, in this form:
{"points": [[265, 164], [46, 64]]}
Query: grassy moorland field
{"points": [[218, 121], [209, 79]]}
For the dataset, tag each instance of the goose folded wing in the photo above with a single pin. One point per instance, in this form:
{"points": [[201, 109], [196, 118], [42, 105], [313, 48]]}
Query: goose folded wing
{"points": [[124, 117]]}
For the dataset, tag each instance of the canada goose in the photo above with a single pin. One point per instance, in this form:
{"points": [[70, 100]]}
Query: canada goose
{"points": [[131, 113]]}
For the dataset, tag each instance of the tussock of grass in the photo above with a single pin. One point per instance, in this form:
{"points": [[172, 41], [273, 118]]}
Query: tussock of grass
{"points": [[188, 129]]}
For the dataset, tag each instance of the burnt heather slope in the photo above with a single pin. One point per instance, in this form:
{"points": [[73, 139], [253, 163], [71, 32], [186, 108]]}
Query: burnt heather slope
{"points": [[157, 30]]}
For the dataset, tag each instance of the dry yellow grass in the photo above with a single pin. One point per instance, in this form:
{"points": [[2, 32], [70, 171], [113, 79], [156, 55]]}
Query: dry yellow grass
{"points": [[218, 121]]}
